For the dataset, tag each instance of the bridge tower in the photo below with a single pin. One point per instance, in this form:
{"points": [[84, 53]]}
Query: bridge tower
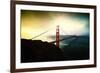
{"points": [[57, 36]]}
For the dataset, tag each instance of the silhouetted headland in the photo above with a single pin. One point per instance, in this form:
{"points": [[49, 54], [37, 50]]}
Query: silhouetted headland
{"points": [[76, 48], [39, 51]]}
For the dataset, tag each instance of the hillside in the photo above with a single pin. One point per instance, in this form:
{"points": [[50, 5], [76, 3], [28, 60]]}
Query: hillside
{"points": [[38, 51]]}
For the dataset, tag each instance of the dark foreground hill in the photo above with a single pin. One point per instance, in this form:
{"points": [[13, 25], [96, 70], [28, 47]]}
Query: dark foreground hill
{"points": [[76, 48], [38, 51]]}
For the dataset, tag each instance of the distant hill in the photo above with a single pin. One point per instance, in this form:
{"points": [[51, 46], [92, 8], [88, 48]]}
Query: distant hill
{"points": [[38, 51]]}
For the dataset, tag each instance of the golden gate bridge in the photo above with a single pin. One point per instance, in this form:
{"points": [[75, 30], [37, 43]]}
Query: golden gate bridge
{"points": [[57, 41]]}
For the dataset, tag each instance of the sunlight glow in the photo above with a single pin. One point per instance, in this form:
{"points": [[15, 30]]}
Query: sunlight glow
{"points": [[35, 23]]}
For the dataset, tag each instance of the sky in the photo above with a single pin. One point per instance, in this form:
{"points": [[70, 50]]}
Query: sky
{"points": [[33, 23]]}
